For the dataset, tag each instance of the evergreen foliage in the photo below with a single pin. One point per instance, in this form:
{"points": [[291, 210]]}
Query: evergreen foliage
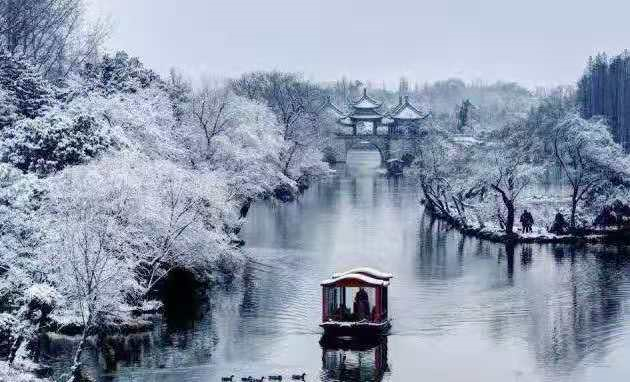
{"points": [[604, 90], [23, 91]]}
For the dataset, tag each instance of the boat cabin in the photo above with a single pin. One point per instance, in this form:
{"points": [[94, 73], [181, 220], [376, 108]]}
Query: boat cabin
{"points": [[355, 302]]}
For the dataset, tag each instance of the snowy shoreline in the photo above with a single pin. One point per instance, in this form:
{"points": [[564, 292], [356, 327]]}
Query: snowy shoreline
{"points": [[498, 236]]}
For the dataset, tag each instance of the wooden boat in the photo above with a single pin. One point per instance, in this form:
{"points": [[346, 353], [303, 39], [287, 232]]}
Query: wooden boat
{"points": [[368, 315]]}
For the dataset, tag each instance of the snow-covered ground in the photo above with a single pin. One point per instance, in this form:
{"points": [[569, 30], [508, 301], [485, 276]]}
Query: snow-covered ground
{"points": [[9, 374]]}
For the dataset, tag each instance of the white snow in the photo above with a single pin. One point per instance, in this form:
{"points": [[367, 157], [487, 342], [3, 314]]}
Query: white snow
{"points": [[9, 374], [407, 113], [356, 276], [365, 104], [366, 270]]}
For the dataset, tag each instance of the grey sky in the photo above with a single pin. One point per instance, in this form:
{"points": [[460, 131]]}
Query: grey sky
{"points": [[534, 42]]}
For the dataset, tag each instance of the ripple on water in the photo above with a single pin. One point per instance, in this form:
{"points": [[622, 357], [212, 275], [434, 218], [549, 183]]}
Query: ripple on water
{"points": [[462, 309]]}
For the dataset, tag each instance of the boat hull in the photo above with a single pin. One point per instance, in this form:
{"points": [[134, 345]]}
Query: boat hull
{"points": [[355, 329]]}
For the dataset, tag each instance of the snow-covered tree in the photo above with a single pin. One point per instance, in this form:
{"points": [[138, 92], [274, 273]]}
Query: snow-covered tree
{"points": [[448, 178], [90, 271], [52, 142], [168, 216], [588, 157], [508, 173], [213, 113], [119, 73], [26, 93], [20, 232], [180, 93], [297, 105], [52, 34]]}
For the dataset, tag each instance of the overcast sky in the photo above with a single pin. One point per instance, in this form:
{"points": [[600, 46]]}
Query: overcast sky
{"points": [[534, 42]]}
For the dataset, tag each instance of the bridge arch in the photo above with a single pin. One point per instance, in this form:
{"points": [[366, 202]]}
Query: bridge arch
{"points": [[354, 144]]}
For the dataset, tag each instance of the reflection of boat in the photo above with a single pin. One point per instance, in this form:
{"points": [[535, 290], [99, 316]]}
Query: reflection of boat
{"points": [[348, 359], [367, 289]]}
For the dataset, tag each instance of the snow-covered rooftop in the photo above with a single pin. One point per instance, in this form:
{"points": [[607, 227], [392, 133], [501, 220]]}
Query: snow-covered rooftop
{"points": [[465, 140], [366, 116], [356, 276], [346, 121], [330, 106], [405, 110], [367, 271], [366, 102]]}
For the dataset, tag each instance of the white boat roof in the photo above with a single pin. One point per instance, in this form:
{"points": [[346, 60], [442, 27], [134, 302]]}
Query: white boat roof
{"points": [[356, 276], [366, 271]]}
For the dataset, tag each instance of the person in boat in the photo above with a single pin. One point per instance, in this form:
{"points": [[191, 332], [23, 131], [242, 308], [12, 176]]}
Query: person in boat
{"points": [[362, 305], [342, 313]]}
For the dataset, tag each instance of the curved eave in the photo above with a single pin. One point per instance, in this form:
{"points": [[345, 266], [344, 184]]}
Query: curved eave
{"points": [[346, 121], [371, 272], [366, 105], [356, 278], [366, 102], [365, 116], [407, 119]]}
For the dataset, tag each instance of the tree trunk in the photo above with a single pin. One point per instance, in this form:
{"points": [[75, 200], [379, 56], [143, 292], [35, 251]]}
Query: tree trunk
{"points": [[574, 203], [509, 223], [509, 205], [14, 348], [75, 370]]}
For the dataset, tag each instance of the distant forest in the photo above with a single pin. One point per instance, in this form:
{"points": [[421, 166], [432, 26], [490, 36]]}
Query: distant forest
{"points": [[604, 90]]}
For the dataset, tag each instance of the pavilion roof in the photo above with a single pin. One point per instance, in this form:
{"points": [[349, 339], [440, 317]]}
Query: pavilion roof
{"points": [[366, 102], [346, 121], [328, 104], [370, 115], [405, 110], [387, 121]]}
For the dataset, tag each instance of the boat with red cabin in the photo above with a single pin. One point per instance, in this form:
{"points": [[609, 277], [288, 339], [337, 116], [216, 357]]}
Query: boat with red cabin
{"points": [[368, 314]]}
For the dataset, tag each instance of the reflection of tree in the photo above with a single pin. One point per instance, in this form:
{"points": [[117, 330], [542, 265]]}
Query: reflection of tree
{"points": [[507, 253], [249, 305], [355, 361], [574, 313], [434, 243], [354, 191], [594, 297], [394, 189], [526, 256]]}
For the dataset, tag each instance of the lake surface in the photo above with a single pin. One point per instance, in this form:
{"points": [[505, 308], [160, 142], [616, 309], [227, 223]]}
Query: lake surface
{"points": [[462, 309]]}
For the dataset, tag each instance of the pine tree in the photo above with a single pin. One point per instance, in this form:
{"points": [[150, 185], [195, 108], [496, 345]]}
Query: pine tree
{"points": [[26, 93], [604, 90], [8, 114]]}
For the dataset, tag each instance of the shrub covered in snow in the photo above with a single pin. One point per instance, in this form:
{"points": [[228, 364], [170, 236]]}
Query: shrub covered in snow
{"points": [[50, 143]]}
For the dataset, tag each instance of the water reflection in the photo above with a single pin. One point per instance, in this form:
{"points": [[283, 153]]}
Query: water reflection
{"points": [[345, 360], [462, 309]]}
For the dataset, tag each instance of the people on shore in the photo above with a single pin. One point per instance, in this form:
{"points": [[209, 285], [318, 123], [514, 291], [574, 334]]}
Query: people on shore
{"points": [[527, 221]]}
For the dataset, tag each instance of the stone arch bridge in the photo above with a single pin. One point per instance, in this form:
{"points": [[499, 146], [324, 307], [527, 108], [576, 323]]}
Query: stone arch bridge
{"points": [[394, 132], [389, 146]]}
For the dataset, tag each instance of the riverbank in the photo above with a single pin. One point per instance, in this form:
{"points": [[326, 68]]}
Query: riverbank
{"points": [[499, 236]]}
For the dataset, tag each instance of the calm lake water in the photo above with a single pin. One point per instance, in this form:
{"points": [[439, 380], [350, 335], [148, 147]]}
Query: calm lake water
{"points": [[463, 310]]}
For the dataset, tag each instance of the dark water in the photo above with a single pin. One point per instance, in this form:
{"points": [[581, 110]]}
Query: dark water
{"points": [[463, 310]]}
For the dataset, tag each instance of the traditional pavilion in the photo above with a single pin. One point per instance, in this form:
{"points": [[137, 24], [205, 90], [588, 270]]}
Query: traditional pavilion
{"points": [[367, 118]]}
